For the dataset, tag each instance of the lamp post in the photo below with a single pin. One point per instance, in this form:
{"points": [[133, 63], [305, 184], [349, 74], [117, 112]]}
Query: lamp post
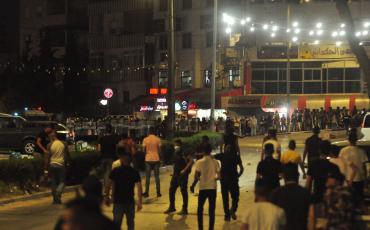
{"points": [[171, 71], [214, 65], [288, 47]]}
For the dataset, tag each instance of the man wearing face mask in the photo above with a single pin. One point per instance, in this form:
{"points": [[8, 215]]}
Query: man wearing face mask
{"points": [[181, 170]]}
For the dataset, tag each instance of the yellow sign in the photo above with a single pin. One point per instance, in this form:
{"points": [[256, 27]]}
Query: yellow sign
{"points": [[325, 52]]}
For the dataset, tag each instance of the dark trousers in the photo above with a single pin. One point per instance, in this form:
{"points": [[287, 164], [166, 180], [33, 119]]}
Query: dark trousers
{"points": [[211, 195], [230, 186], [121, 210], [149, 167], [358, 192], [182, 182], [58, 175]]}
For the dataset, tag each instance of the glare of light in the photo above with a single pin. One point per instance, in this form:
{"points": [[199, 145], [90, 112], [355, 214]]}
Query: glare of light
{"points": [[248, 19], [338, 43], [297, 31], [307, 0], [273, 35], [295, 24], [358, 34], [103, 102], [228, 30], [311, 33], [252, 29], [342, 33], [319, 32], [242, 22], [334, 34], [367, 24], [342, 25], [16, 114], [294, 39], [361, 43], [318, 25], [265, 26], [25, 108], [275, 28], [316, 42], [365, 32], [288, 30], [228, 19]]}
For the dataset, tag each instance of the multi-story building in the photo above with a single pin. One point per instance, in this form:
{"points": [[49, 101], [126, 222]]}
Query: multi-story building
{"points": [[252, 56], [120, 51]]}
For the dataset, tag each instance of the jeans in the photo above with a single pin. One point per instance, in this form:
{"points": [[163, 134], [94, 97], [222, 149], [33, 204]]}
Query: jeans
{"points": [[230, 186], [119, 210], [57, 174], [149, 167], [209, 194], [358, 192], [182, 182], [106, 167]]}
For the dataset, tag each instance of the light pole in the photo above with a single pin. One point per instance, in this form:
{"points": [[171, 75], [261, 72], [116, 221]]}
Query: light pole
{"points": [[288, 47], [214, 65], [171, 71]]}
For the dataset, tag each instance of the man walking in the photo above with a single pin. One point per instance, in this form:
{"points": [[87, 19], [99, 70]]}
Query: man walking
{"points": [[230, 160], [124, 179], [56, 160], [311, 150], [207, 170], [181, 171], [107, 148], [152, 145]]}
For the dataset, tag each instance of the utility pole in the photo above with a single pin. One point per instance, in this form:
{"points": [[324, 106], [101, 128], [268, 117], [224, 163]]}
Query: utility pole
{"points": [[214, 65], [288, 47], [171, 71]]}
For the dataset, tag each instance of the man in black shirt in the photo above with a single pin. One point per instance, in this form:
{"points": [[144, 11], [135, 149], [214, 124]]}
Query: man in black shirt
{"points": [[124, 179], [230, 160], [311, 149], [181, 170], [294, 199], [318, 173], [107, 147], [269, 169], [42, 140]]}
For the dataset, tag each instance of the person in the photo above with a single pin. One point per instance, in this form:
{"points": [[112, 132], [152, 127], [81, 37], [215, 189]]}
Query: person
{"points": [[269, 169], [334, 158], [294, 199], [42, 141], [107, 148], [152, 146], [56, 160], [292, 157], [354, 160], [124, 179], [318, 172], [253, 125], [263, 215], [83, 213], [128, 143], [231, 139], [272, 139], [230, 161], [207, 170], [311, 150], [339, 208], [181, 170], [199, 155]]}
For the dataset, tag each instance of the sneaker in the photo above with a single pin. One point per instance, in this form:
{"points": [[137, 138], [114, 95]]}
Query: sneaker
{"points": [[192, 189], [159, 195], [227, 218], [170, 210], [233, 215], [145, 195], [183, 212]]}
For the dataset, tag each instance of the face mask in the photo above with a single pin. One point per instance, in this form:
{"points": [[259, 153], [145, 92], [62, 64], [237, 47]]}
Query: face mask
{"points": [[177, 148]]}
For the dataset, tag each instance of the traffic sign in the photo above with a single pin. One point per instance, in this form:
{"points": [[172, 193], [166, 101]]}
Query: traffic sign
{"points": [[108, 93]]}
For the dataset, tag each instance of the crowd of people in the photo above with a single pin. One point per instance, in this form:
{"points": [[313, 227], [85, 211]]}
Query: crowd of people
{"points": [[334, 190]]}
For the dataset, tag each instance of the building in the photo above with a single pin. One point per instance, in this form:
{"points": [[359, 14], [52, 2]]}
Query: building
{"points": [[121, 52], [252, 60]]}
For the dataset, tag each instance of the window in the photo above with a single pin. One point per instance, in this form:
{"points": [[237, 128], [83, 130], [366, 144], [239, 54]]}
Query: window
{"points": [[336, 74], [335, 87], [209, 39], [296, 75], [234, 78], [258, 75], [271, 87], [178, 25], [296, 87], [352, 87], [159, 25], [312, 87], [352, 74], [187, 41], [162, 5], [206, 21], [186, 81], [207, 78], [163, 42], [163, 78], [257, 87], [187, 4], [271, 75]]}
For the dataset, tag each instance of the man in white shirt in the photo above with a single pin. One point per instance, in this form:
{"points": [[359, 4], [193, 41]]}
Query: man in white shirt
{"points": [[354, 159], [263, 215], [207, 170]]}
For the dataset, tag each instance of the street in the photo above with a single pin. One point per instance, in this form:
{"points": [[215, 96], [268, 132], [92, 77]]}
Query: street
{"points": [[41, 214]]}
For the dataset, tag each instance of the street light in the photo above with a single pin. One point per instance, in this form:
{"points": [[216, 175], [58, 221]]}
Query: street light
{"points": [[214, 63], [171, 71]]}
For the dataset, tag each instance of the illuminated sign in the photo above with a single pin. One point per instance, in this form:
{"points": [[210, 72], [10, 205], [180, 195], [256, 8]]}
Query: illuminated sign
{"points": [[153, 91], [162, 107], [108, 93], [161, 100], [164, 91], [145, 108]]}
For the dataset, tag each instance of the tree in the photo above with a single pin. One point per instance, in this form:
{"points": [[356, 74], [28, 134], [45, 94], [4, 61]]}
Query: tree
{"points": [[359, 51]]}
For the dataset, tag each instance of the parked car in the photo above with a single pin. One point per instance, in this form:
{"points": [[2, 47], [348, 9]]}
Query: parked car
{"points": [[17, 133]]}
